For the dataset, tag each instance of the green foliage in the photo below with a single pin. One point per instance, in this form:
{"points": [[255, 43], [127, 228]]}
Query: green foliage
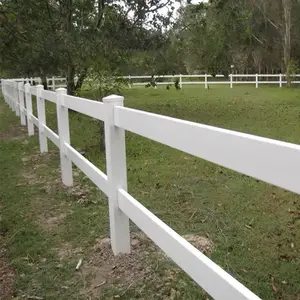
{"points": [[293, 67], [105, 83], [70, 37], [211, 37]]}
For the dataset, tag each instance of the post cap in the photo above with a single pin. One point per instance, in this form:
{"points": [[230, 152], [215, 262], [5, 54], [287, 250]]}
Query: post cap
{"points": [[39, 86], [61, 90], [113, 99]]}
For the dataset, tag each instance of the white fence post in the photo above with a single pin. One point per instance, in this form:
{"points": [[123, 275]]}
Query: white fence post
{"points": [[7, 93], [16, 99], [29, 110], [40, 102], [280, 80], [64, 137], [53, 83], [21, 101], [205, 80], [117, 177], [256, 80], [231, 81], [180, 81]]}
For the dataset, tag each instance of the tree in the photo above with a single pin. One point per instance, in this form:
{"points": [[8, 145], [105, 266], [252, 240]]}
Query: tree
{"points": [[253, 35], [68, 36]]}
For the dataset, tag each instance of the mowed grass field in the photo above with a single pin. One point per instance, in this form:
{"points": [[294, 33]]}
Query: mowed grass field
{"points": [[253, 228]]}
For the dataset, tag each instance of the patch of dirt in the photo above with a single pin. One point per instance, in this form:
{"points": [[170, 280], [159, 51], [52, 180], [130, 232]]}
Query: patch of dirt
{"points": [[102, 269], [30, 178], [51, 222], [67, 251], [16, 132], [7, 278], [79, 193], [39, 159], [202, 243], [33, 164]]}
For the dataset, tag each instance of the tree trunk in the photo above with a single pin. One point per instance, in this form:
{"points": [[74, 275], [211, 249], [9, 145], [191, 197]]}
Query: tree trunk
{"points": [[68, 28], [80, 80], [44, 79], [287, 10], [70, 80]]}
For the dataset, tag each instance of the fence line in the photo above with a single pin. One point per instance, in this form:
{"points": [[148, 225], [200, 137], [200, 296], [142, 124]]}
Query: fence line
{"points": [[53, 82], [232, 79], [269, 160], [61, 82]]}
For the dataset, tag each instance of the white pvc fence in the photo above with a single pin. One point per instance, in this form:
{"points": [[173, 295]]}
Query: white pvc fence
{"points": [[269, 160], [207, 80], [52, 82], [211, 80]]}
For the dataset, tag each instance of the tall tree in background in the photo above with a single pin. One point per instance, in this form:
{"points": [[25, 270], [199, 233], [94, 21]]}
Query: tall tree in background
{"points": [[287, 8], [72, 33]]}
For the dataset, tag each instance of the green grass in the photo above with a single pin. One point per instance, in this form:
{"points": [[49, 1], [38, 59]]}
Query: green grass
{"points": [[254, 226]]}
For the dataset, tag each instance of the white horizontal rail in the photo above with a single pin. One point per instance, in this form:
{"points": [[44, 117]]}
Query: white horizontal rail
{"points": [[50, 96], [213, 279], [35, 120], [193, 82], [262, 158], [218, 82], [245, 82], [140, 83], [90, 108], [52, 136], [91, 171]]}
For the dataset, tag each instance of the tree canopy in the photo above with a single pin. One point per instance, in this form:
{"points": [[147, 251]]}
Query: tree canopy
{"points": [[73, 36], [76, 37], [252, 35]]}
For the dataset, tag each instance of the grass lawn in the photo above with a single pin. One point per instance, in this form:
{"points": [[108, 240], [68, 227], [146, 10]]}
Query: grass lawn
{"points": [[252, 228]]}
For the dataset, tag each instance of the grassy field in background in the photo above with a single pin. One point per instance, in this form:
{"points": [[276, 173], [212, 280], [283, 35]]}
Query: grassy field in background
{"points": [[253, 226]]}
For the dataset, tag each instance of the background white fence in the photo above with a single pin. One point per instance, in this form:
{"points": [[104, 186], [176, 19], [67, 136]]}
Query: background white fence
{"points": [[52, 82], [206, 79], [203, 79], [269, 160]]}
